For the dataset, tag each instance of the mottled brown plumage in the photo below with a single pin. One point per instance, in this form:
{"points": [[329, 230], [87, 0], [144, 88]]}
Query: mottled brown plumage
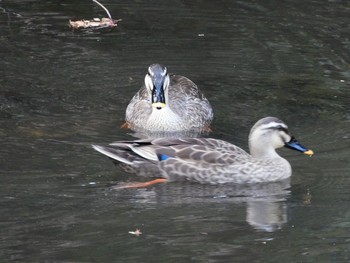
{"points": [[168, 103], [208, 160]]}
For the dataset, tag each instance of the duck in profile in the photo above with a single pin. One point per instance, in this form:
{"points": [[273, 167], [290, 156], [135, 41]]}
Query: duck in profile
{"points": [[168, 103], [210, 161]]}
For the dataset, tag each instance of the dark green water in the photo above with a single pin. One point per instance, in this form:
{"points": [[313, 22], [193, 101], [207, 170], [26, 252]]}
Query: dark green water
{"points": [[61, 91]]}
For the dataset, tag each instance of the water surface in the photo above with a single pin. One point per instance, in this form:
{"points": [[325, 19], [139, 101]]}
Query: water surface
{"points": [[62, 90]]}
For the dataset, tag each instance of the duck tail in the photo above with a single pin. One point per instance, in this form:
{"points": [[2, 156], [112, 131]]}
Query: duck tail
{"points": [[116, 154]]}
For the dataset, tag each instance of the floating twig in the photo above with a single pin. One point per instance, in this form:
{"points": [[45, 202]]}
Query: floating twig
{"points": [[101, 5], [95, 23]]}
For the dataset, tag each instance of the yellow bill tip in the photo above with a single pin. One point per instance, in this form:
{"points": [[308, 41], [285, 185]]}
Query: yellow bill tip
{"points": [[158, 105], [309, 152]]}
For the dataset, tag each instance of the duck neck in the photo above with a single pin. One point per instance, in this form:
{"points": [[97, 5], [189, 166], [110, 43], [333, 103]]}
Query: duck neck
{"points": [[262, 150], [264, 153]]}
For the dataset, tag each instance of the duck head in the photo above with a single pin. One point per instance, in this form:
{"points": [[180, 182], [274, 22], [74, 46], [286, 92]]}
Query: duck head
{"points": [[271, 133], [157, 81]]}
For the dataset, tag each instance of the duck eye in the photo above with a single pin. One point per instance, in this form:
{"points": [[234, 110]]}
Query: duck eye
{"points": [[281, 128]]}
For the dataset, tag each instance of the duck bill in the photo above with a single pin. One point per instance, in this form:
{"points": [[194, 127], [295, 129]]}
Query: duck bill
{"points": [[295, 145], [158, 97]]}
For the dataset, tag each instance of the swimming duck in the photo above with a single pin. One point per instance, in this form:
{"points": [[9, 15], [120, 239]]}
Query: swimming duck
{"points": [[168, 103], [207, 160]]}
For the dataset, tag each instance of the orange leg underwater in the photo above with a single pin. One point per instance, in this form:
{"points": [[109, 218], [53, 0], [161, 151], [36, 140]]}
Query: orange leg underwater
{"points": [[142, 185], [125, 126]]}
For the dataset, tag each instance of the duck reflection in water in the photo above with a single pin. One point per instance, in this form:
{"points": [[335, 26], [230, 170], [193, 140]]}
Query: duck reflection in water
{"points": [[265, 204]]}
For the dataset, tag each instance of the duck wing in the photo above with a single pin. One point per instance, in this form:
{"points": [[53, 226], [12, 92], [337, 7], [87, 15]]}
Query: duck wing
{"points": [[174, 157], [140, 107], [185, 97]]}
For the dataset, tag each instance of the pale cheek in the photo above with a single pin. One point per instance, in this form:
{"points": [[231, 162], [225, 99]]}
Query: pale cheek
{"points": [[148, 83], [278, 142], [166, 82]]}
